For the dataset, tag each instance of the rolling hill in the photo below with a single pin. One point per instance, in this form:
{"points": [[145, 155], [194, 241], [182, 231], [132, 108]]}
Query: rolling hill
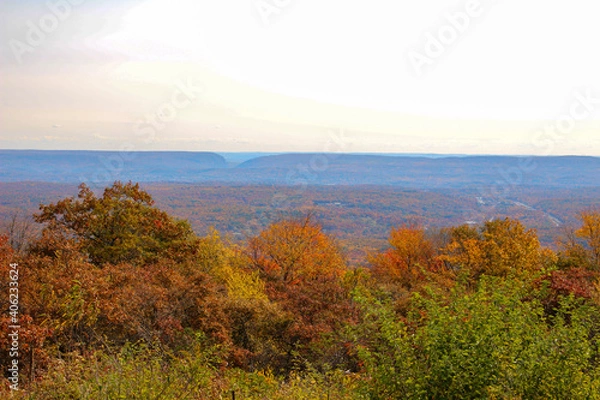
{"points": [[422, 172]]}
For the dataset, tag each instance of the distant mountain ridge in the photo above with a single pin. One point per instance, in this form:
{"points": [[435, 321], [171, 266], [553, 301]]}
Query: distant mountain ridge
{"points": [[421, 172], [104, 166], [300, 169]]}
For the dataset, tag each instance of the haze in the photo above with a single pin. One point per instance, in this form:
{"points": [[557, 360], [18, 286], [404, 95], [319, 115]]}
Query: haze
{"points": [[288, 75]]}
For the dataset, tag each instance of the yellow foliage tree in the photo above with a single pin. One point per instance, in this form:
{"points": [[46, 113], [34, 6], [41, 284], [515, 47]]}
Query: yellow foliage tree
{"points": [[227, 265], [590, 233], [499, 248]]}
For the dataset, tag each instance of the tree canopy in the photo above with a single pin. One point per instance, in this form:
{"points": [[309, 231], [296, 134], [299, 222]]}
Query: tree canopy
{"points": [[118, 299], [121, 226]]}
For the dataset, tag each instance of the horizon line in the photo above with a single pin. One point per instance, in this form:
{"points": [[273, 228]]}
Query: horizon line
{"points": [[284, 152]]}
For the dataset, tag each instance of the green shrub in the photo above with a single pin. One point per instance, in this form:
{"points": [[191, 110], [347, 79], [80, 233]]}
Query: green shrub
{"points": [[487, 344]]}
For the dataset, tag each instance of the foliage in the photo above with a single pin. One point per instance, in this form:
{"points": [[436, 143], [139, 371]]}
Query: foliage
{"points": [[120, 300], [304, 274], [499, 248], [144, 372], [581, 247], [295, 250], [410, 252], [487, 344], [121, 226], [227, 266]]}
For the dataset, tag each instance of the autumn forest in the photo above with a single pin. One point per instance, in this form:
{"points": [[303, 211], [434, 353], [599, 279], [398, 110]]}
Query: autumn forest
{"points": [[119, 299]]}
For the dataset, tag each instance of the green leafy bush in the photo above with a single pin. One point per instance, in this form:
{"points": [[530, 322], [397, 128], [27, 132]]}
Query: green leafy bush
{"points": [[487, 344]]}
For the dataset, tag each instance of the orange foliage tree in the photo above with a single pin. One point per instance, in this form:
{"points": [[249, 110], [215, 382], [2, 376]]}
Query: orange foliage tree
{"points": [[303, 270], [295, 250], [410, 253], [411, 264], [16, 290]]}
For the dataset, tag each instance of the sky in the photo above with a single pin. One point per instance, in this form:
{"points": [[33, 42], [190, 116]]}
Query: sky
{"points": [[429, 76]]}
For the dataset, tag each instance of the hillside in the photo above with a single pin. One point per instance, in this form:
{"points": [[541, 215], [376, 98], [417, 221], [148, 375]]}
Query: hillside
{"points": [[423, 172], [105, 166]]}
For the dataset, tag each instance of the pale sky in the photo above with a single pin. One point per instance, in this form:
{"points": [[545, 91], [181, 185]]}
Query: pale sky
{"points": [[428, 76]]}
